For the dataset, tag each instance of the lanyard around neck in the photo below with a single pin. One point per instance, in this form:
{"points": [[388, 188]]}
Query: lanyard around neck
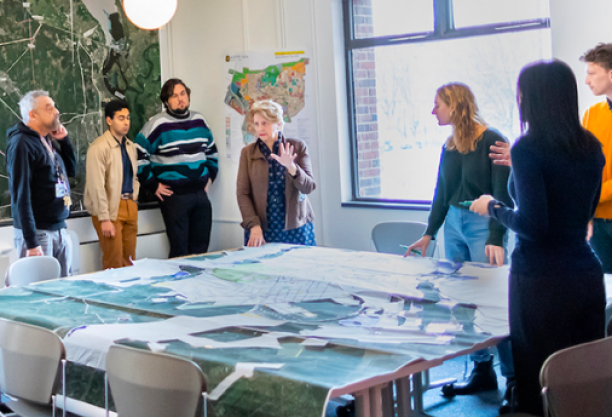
{"points": [[48, 147]]}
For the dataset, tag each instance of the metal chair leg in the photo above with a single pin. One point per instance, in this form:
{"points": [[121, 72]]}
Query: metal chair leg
{"points": [[64, 385], [106, 394], [205, 403]]}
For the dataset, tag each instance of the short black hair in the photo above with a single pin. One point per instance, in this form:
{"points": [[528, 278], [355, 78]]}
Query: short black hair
{"points": [[113, 107], [168, 90]]}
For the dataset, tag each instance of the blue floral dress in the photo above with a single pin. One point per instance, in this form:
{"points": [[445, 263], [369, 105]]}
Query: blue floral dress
{"points": [[276, 209]]}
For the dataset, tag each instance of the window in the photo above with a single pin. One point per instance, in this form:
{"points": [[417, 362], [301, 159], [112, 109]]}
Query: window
{"points": [[399, 52]]}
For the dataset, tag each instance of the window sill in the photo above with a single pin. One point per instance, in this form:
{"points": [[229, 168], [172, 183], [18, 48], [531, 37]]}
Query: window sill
{"points": [[388, 205]]}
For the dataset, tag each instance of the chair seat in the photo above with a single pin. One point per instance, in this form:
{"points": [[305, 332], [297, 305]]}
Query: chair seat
{"points": [[28, 409]]}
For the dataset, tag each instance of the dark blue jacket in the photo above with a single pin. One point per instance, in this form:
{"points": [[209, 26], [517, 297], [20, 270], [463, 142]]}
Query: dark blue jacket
{"points": [[32, 179]]}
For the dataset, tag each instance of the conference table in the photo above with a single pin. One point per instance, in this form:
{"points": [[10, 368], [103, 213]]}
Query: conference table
{"points": [[277, 330]]}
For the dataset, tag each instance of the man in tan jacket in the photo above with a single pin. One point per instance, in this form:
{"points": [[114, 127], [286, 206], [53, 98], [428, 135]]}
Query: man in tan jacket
{"points": [[111, 188]]}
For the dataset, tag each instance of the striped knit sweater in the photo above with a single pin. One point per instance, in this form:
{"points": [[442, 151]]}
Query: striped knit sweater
{"points": [[180, 153]]}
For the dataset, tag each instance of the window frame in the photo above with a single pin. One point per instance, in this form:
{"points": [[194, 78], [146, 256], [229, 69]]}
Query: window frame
{"points": [[444, 29]]}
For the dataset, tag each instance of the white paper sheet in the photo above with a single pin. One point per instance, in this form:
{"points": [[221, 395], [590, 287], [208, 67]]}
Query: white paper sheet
{"points": [[242, 370], [88, 345]]}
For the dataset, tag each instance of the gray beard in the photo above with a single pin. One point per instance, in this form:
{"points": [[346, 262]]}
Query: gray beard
{"points": [[55, 125]]}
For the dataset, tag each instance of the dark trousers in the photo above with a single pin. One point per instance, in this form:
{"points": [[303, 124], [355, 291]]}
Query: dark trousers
{"points": [[601, 242], [188, 219], [547, 314]]}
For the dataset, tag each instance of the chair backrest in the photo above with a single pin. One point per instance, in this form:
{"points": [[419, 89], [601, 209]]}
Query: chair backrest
{"points": [[388, 237], [30, 359], [76, 252], [147, 384], [33, 269], [577, 381]]}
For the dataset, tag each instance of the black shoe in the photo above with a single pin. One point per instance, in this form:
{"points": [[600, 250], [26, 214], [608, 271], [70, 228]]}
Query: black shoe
{"points": [[347, 410], [482, 378], [509, 403]]}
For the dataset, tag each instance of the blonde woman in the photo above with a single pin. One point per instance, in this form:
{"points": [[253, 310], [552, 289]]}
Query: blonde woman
{"points": [[466, 172], [274, 178]]}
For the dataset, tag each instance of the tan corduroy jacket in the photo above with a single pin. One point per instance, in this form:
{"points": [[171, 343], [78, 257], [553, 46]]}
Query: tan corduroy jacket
{"points": [[252, 187], [104, 176]]}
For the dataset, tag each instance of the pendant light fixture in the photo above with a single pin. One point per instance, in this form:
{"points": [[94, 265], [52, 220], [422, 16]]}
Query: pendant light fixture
{"points": [[150, 14]]}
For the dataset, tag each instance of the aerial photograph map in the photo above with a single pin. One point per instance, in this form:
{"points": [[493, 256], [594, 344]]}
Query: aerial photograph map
{"points": [[84, 52]]}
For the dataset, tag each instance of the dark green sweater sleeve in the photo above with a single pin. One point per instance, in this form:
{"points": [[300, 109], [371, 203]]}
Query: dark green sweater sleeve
{"points": [[439, 206]]}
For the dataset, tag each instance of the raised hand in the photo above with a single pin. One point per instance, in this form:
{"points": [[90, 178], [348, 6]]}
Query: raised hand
{"points": [[286, 157], [60, 133]]}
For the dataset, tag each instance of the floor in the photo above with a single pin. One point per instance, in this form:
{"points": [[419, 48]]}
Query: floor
{"points": [[485, 404]]}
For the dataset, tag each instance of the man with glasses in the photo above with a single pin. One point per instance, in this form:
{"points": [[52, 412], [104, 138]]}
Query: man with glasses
{"points": [[39, 160], [178, 160]]}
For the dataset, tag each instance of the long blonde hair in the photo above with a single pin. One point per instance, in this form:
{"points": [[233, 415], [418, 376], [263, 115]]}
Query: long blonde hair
{"points": [[464, 117]]}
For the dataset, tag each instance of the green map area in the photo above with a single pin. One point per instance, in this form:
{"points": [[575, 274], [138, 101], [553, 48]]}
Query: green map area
{"points": [[83, 52], [283, 83]]}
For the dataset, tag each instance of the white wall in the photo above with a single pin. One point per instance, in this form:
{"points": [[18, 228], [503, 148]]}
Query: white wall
{"points": [[203, 32], [576, 27]]}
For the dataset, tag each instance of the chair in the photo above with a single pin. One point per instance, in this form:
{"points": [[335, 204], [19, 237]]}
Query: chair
{"points": [[389, 237], [147, 384], [30, 371], [577, 381], [24, 271]]}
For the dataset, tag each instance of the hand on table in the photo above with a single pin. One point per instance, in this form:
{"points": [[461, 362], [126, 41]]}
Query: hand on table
{"points": [[422, 244], [256, 238], [495, 254]]}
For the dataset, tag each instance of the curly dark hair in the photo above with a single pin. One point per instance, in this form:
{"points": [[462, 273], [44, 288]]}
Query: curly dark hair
{"points": [[601, 54], [168, 89]]}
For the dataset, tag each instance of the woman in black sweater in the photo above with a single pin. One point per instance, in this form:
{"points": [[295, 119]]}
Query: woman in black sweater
{"points": [[465, 173], [557, 296]]}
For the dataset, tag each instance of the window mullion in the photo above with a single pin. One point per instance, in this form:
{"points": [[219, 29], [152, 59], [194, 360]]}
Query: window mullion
{"points": [[444, 21]]}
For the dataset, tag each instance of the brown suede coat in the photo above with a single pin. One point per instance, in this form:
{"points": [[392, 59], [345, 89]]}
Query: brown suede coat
{"points": [[252, 187]]}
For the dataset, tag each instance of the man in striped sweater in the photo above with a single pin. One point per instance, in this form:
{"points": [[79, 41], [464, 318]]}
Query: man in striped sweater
{"points": [[178, 160]]}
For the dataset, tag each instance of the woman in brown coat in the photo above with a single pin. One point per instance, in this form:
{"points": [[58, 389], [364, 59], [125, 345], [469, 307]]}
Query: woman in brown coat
{"points": [[274, 177]]}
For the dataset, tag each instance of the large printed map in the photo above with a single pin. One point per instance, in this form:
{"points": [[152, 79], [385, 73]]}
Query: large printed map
{"points": [[283, 83], [278, 76], [84, 52]]}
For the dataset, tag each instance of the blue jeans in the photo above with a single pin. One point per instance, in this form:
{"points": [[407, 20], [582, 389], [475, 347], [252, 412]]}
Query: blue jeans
{"points": [[465, 238], [601, 242]]}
